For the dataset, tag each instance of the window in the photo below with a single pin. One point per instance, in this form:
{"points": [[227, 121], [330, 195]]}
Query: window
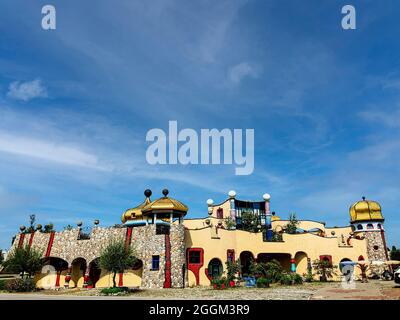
{"points": [[370, 226], [359, 227], [215, 268], [155, 263], [376, 248], [162, 229], [220, 213], [379, 226], [194, 257]]}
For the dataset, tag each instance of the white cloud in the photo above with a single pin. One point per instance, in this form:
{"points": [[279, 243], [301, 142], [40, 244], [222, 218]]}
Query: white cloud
{"points": [[389, 119], [26, 91], [46, 150], [240, 71]]}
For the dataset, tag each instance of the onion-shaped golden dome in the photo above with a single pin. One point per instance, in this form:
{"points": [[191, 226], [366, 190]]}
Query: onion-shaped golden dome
{"points": [[136, 213], [275, 217], [165, 205], [366, 210]]}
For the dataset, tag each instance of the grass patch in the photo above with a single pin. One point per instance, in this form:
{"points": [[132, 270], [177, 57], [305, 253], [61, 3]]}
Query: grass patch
{"points": [[115, 291]]}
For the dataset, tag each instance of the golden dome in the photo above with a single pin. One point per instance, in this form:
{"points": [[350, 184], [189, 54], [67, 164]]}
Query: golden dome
{"points": [[136, 213], [165, 205], [275, 218], [366, 210]]}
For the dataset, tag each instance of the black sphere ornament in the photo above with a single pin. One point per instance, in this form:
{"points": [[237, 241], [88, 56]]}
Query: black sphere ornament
{"points": [[147, 193], [165, 192]]}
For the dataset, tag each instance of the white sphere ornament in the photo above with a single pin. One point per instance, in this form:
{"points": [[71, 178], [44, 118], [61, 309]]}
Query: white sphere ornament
{"points": [[266, 196], [232, 193], [210, 202]]}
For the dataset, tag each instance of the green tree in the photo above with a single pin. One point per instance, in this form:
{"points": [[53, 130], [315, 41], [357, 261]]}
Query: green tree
{"points": [[394, 253], [116, 258], [32, 224], [325, 269], [250, 221], [229, 223], [233, 268], [271, 270], [1, 257], [48, 228], [291, 226], [24, 260]]}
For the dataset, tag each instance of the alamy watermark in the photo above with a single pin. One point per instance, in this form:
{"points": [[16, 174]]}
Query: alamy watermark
{"points": [[186, 146]]}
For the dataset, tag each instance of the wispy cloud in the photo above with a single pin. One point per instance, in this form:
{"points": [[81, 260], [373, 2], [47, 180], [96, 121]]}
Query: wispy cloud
{"points": [[26, 91], [241, 71], [46, 150]]}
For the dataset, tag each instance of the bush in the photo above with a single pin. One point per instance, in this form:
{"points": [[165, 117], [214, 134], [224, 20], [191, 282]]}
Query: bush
{"points": [[21, 285], [3, 284], [263, 283], [114, 291], [289, 279], [220, 283]]}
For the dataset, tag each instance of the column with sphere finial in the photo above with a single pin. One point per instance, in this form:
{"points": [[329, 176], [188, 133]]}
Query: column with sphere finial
{"points": [[268, 217], [232, 209]]}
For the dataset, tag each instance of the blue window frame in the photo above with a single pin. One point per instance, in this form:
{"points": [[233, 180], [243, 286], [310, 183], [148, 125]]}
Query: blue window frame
{"points": [[155, 263]]}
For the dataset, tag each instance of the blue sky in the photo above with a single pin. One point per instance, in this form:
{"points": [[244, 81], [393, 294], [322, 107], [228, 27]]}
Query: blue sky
{"points": [[76, 103]]}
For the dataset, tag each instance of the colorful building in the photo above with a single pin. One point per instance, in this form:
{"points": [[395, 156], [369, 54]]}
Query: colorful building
{"points": [[175, 251]]}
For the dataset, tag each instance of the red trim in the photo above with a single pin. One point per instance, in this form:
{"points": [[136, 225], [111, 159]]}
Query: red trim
{"points": [[58, 279], [195, 267], [326, 257], [21, 240], [31, 239], [121, 279], [128, 237], [208, 276], [50, 244], [167, 282]]}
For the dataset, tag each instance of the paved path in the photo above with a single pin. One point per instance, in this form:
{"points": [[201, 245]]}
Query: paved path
{"points": [[373, 290]]}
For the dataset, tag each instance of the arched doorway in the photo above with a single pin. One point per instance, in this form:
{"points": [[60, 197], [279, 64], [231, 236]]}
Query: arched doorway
{"points": [[78, 272], [94, 273], [301, 262], [282, 258], [50, 276], [246, 260], [342, 265], [215, 268]]}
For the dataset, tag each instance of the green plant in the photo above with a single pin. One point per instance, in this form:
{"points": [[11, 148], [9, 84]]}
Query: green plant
{"points": [[68, 227], [296, 278], [116, 258], [250, 221], [3, 284], [1, 257], [20, 285], [325, 269], [233, 268], [24, 260], [394, 253], [291, 226], [220, 283], [48, 228], [271, 270], [263, 282], [229, 223], [32, 220], [114, 291]]}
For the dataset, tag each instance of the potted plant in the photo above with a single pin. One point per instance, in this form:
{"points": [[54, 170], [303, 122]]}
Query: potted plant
{"points": [[233, 268]]}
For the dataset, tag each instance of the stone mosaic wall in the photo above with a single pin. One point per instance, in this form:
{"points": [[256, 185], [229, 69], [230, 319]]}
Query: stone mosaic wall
{"points": [[375, 249], [144, 241]]}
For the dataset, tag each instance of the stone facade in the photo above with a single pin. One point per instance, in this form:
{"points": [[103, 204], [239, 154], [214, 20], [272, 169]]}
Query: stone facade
{"points": [[144, 242], [376, 248]]}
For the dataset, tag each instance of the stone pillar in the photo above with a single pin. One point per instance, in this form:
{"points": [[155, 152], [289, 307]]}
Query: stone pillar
{"points": [[86, 277], [68, 277]]}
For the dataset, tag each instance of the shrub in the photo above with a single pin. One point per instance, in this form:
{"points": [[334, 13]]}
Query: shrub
{"points": [[20, 285], [263, 283], [3, 284], [115, 291], [220, 283], [297, 279], [285, 279]]}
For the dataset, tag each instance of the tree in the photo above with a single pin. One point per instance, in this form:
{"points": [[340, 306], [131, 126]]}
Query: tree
{"points": [[1, 257], [32, 224], [271, 270], [232, 268], [229, 223], [48, 228], [325, 269], [116, 258], [24, 260], [249, 221], [291, 226], [394, 253]]}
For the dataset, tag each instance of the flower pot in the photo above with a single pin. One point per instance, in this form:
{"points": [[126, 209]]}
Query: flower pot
{"points": [[215, 286], [223, 286], [231, 284]]}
